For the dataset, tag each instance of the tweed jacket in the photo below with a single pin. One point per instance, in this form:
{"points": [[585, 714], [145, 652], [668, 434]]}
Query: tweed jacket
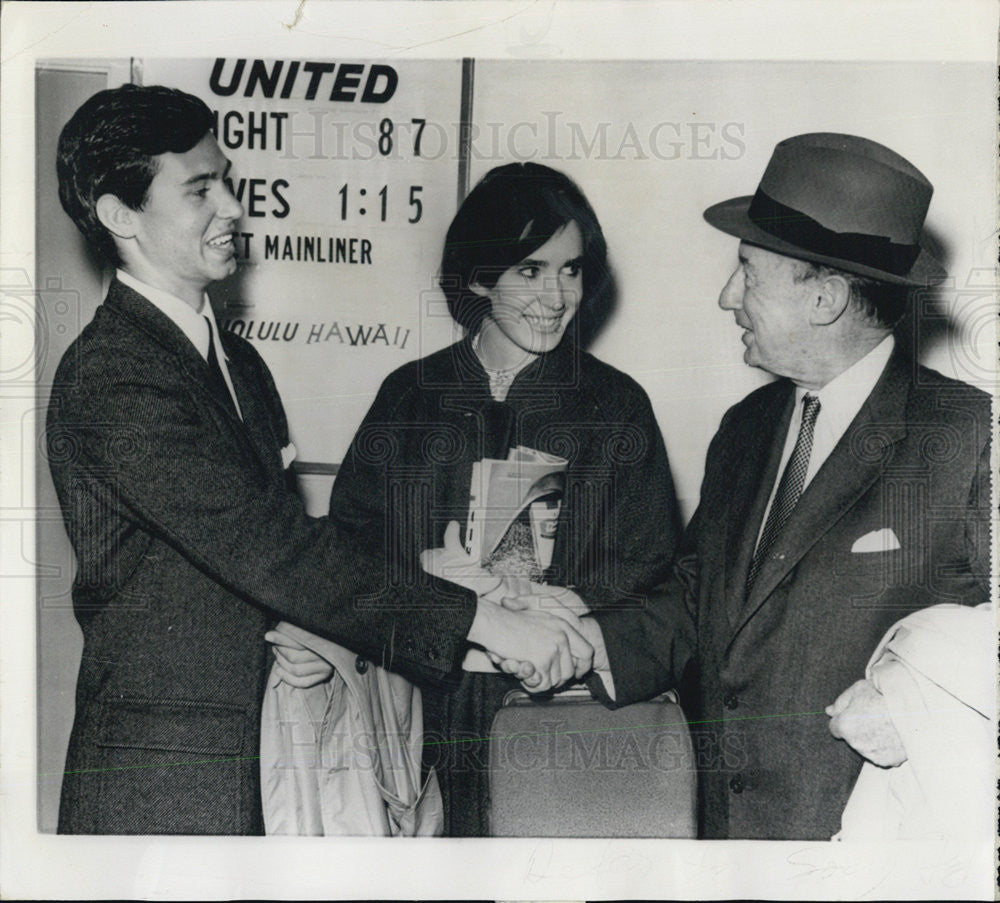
{"points": [[756, 672], [189, 541], [408, 474]]}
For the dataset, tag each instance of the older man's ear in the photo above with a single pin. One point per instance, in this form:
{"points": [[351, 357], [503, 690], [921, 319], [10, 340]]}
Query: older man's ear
{"points": [[832, 297]]}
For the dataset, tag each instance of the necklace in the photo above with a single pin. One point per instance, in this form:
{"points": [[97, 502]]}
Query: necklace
{"points": [[500, 378]]}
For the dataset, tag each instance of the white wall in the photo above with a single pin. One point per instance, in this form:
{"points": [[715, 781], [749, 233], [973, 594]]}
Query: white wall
{"points": [[668, 331]]}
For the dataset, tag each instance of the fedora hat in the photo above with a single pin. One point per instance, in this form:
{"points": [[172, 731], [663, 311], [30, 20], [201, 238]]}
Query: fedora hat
{"points": [[839, 200]]}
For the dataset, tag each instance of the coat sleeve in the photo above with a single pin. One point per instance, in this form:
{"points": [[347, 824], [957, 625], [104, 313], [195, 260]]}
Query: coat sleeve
{"points": [[650, 648], [639, 604], [977, 524], [154, 456], [953, 646], [383, 494]]}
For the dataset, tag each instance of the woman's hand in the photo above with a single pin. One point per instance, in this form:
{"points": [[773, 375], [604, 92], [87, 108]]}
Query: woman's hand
{"points": [[296, 665]]}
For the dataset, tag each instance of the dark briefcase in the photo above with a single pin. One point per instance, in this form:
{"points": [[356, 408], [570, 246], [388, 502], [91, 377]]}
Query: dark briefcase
{"points": [[567, 766]]}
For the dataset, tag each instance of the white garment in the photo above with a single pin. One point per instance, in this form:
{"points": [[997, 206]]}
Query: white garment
{"points": [[839, 400], [937, 671], [344, 757]]}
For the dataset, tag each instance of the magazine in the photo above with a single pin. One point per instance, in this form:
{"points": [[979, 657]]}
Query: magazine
{"points": [[515, 501], [514, 507]]}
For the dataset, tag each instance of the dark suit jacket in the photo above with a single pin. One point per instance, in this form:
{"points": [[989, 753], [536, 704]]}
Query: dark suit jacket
{"points": [[758, 671], [189, 541]]}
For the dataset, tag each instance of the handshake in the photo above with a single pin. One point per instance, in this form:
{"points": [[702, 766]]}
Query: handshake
{"points": [[529, 630]]}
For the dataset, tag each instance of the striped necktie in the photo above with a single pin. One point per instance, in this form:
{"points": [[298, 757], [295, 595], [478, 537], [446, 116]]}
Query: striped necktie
{"points": [[793, 480]]}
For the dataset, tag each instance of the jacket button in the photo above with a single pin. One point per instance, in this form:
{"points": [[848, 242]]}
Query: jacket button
{"points": [[360, 665], [732, 701], [736, 784]]}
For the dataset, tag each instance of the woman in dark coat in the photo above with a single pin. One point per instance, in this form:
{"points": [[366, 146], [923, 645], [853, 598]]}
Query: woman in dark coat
{"points": [[524, 256]]}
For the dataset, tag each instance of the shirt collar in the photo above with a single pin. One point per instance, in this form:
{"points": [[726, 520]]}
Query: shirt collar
{"points": [[190, 321], [842, 397]]}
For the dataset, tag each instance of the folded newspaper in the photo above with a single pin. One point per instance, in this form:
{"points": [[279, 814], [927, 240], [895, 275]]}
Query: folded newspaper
{"points": [[514, 509], [525, 491]]}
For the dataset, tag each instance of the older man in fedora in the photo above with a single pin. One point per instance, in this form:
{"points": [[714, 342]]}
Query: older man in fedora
{"points": [[848, 493]]}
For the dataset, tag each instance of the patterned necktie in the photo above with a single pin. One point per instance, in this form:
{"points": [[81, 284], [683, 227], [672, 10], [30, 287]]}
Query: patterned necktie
{"points": [[216, 381], [789, 489]]}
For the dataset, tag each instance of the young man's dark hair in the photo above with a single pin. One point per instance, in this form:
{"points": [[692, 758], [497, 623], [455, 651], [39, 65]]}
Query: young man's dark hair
{"points": [[109, 145]]}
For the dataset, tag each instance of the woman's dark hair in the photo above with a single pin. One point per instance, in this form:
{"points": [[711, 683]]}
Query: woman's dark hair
{"points": [[108, 146], [513, 211]]}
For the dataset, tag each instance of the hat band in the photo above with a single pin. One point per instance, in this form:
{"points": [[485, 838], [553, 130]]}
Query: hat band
{"points": [[795, 227]]}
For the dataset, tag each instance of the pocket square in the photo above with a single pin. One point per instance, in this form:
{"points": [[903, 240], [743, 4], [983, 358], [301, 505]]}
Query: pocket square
{"points": [[288, 454], [884, 540]]}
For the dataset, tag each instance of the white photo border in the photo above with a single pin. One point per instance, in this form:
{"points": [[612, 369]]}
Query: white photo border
{"points": [[45, 866]]}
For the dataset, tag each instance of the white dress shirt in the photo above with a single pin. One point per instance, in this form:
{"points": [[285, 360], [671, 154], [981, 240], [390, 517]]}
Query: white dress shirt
{"points": [[839, 400], [189, 321]]}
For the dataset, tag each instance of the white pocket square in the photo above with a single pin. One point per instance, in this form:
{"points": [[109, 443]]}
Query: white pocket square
{"points": [[884, 540], [288, 454]]}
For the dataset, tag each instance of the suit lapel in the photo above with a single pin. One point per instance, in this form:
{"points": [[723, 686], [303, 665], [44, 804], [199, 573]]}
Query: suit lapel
{"points": [[852, 467], [145, 316], [759, 448], [258, 420]]}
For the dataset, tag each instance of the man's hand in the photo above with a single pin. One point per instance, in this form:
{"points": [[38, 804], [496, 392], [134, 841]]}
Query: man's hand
{"points": [[555, 600], [296, 665], [454, 564], [860, 717], [520, 636], [553, 648], [562, 603]]}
